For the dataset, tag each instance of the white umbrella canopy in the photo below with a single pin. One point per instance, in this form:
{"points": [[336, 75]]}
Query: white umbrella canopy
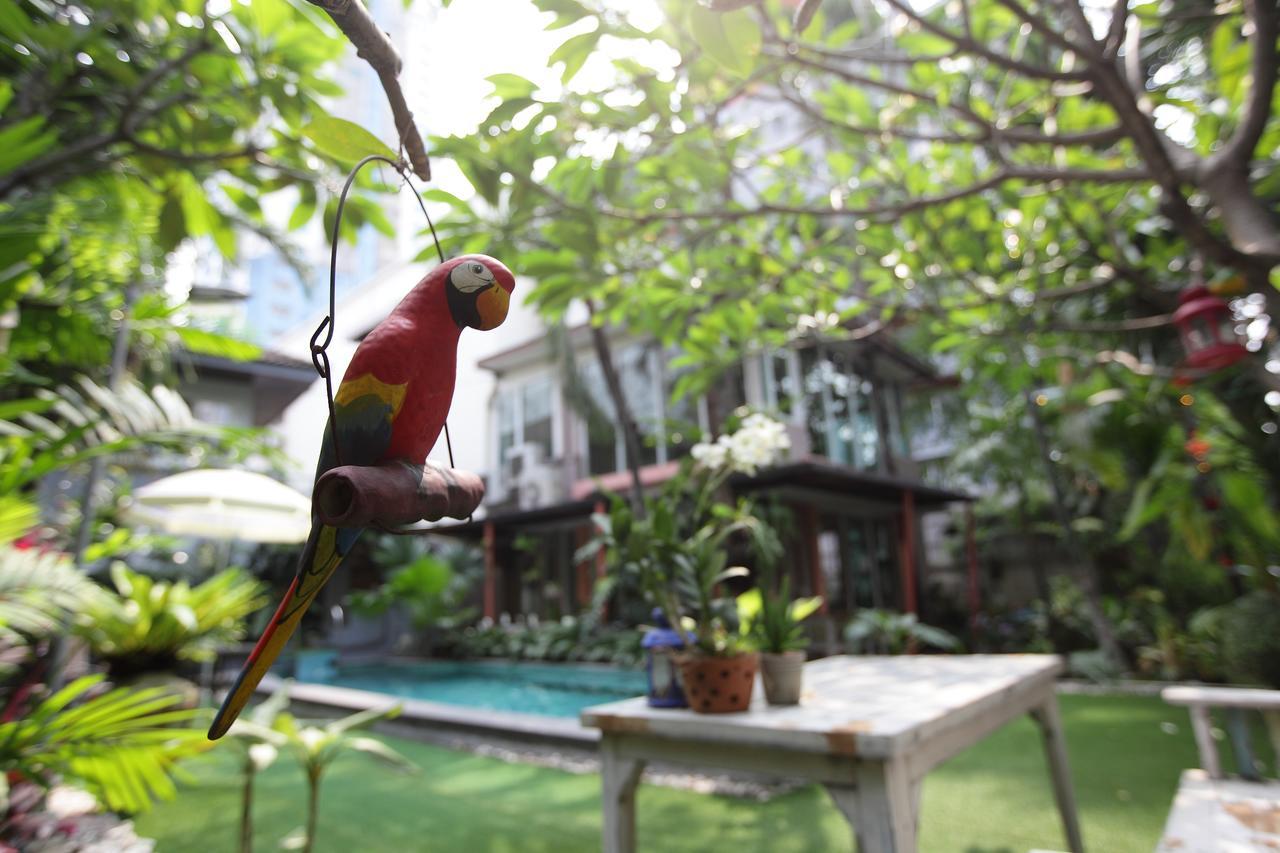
{"points": [[216, 503]]}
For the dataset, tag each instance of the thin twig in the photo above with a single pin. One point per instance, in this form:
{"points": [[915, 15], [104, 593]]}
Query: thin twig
{"points": [[375, 47]]}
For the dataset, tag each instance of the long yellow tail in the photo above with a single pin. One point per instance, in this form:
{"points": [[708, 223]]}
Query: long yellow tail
{"points": [[319, 560]]}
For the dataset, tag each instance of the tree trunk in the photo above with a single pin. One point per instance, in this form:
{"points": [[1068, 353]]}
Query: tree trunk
{"points": [[246, 809], [1038, 573], [626, 421], [1089, 585]]}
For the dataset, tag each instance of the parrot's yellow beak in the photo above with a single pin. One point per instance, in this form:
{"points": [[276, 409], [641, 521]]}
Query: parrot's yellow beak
{"points": [[492, 306]]}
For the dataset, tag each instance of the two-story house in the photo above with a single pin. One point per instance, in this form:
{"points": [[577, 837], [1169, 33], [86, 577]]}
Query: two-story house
{"points": [[852, 480]]}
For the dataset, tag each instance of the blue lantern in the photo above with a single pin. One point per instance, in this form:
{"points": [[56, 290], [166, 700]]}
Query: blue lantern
{"points": [[660, 643]]}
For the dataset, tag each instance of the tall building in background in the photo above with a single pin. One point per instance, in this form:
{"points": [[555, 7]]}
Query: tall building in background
{"points": [[279, 299]]}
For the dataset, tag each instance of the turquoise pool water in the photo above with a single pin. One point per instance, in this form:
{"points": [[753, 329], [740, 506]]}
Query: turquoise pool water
{"points": [[553, 690]]}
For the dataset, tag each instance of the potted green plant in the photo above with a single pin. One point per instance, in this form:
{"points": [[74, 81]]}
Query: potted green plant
{"points": [[772, 622], [676, 546]]}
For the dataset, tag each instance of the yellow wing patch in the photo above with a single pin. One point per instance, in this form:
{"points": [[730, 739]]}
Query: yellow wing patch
{"points": [[367, 385]]}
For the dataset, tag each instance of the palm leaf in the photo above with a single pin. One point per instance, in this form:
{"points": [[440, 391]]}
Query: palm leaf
{"points": [[121, 745], [39, 594]]}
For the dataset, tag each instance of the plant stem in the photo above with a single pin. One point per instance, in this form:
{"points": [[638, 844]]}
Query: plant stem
{"points": [[313, 808], [246, 809]]}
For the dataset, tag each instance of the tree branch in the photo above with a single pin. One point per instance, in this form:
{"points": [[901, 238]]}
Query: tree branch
{"points": [[1042, 27], [374, 47], [1116, 30], [191, 157], [1102, 137], [969, 45], [1262, 72]]}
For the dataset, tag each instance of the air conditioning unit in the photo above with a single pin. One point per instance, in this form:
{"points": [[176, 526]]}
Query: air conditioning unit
{"points": [[534, 479]]}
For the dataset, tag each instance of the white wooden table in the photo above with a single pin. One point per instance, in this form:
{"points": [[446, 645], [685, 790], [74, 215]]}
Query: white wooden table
{"points": [[868, 728], [1212, 813]]}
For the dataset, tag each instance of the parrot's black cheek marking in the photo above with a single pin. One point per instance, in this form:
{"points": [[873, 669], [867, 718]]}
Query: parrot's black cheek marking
{"points": [[463, 308]]}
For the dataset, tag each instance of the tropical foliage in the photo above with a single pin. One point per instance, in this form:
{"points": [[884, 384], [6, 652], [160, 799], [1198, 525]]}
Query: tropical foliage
{"points": [[150, 625], [40, 594], [675, 547], [569, 638], [886, 632], [772, 619], [1021, 190], [132, 126], [316, 747], [121, 744], [430, 586]]}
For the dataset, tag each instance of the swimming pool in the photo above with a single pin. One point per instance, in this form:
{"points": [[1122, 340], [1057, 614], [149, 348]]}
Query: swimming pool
{"points": [[552, 690]]}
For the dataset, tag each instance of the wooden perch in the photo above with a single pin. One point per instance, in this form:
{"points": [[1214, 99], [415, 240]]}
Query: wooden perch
{"points": [[395, 493], [375, 47]]}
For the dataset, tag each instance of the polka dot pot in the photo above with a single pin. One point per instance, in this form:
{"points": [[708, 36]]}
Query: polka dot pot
{"points": [[719, 685]]}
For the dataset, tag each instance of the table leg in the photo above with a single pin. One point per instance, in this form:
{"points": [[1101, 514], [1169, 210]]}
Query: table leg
{"points": [[619, 777], [1055, 747], [882, 806]]}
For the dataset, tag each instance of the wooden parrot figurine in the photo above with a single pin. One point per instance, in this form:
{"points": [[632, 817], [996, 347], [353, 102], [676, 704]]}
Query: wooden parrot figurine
{"points": [[391, 405]]}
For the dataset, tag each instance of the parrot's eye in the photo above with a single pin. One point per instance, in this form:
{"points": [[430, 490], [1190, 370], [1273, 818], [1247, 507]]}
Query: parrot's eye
{"points": [[471, 277]]}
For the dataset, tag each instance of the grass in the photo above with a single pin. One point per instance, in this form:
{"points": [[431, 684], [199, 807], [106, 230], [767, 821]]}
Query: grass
{"points": [[1126, 755]]}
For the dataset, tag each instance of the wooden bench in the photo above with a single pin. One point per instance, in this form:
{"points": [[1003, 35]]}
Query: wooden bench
{"points": [[1211, 812]]}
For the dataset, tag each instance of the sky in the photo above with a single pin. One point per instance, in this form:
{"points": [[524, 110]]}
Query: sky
{"points": [[472, 40]]}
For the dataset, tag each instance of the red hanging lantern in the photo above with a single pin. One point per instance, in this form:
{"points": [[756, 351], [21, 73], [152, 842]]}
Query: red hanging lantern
{"points": [[1207, 330]]}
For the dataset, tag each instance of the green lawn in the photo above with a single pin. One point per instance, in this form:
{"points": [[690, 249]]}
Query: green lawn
{"points": [[995, 797]]}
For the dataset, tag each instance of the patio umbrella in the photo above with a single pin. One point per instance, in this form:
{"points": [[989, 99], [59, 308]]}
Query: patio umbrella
{"points": [[216, 503]]}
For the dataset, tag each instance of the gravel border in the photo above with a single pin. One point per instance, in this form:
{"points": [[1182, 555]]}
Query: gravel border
{"points": [[584, 760]]}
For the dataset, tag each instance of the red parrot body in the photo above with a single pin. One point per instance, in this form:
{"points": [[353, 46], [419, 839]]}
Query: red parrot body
{"points": [[390, 406]]}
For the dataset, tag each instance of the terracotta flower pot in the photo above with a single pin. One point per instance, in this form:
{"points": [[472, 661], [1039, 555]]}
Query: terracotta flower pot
{"points": [[718, 685], [783, 676]]}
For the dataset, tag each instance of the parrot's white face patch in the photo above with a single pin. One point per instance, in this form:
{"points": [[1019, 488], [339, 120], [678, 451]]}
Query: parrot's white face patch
{"points": [[471, 277]]}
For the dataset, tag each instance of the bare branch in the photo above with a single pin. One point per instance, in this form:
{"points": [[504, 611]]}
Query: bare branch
{"points": [[872, 55], [190, 157], [1262, 73], [804, 15], [1042, 27], [1101, 137], [373, 46], [1116, 30], [888, 86], [978, 49], [1034, 175], [1136, 324]]}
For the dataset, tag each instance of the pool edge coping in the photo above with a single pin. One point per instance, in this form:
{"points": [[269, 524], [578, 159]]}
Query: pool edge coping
{"points": [[421, 711]]}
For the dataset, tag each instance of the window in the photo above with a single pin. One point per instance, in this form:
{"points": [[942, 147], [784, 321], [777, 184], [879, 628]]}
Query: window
{"points": [[524, 416], [834, 402], [536, 407], [667, 429]]}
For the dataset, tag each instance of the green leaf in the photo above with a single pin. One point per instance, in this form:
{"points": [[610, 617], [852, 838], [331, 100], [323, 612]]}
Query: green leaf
{"points": [[802, 608], [305, 209], [345, 141], [14, 23], [23, 142], [573, 53], [732, 39], [511, 86], [17, 516]]}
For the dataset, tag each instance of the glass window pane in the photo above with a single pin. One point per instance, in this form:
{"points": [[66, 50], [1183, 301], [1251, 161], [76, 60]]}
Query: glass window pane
{"points": [[639, 384], [506, 415], [536, 399], [681, 422], [602, 447]]}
